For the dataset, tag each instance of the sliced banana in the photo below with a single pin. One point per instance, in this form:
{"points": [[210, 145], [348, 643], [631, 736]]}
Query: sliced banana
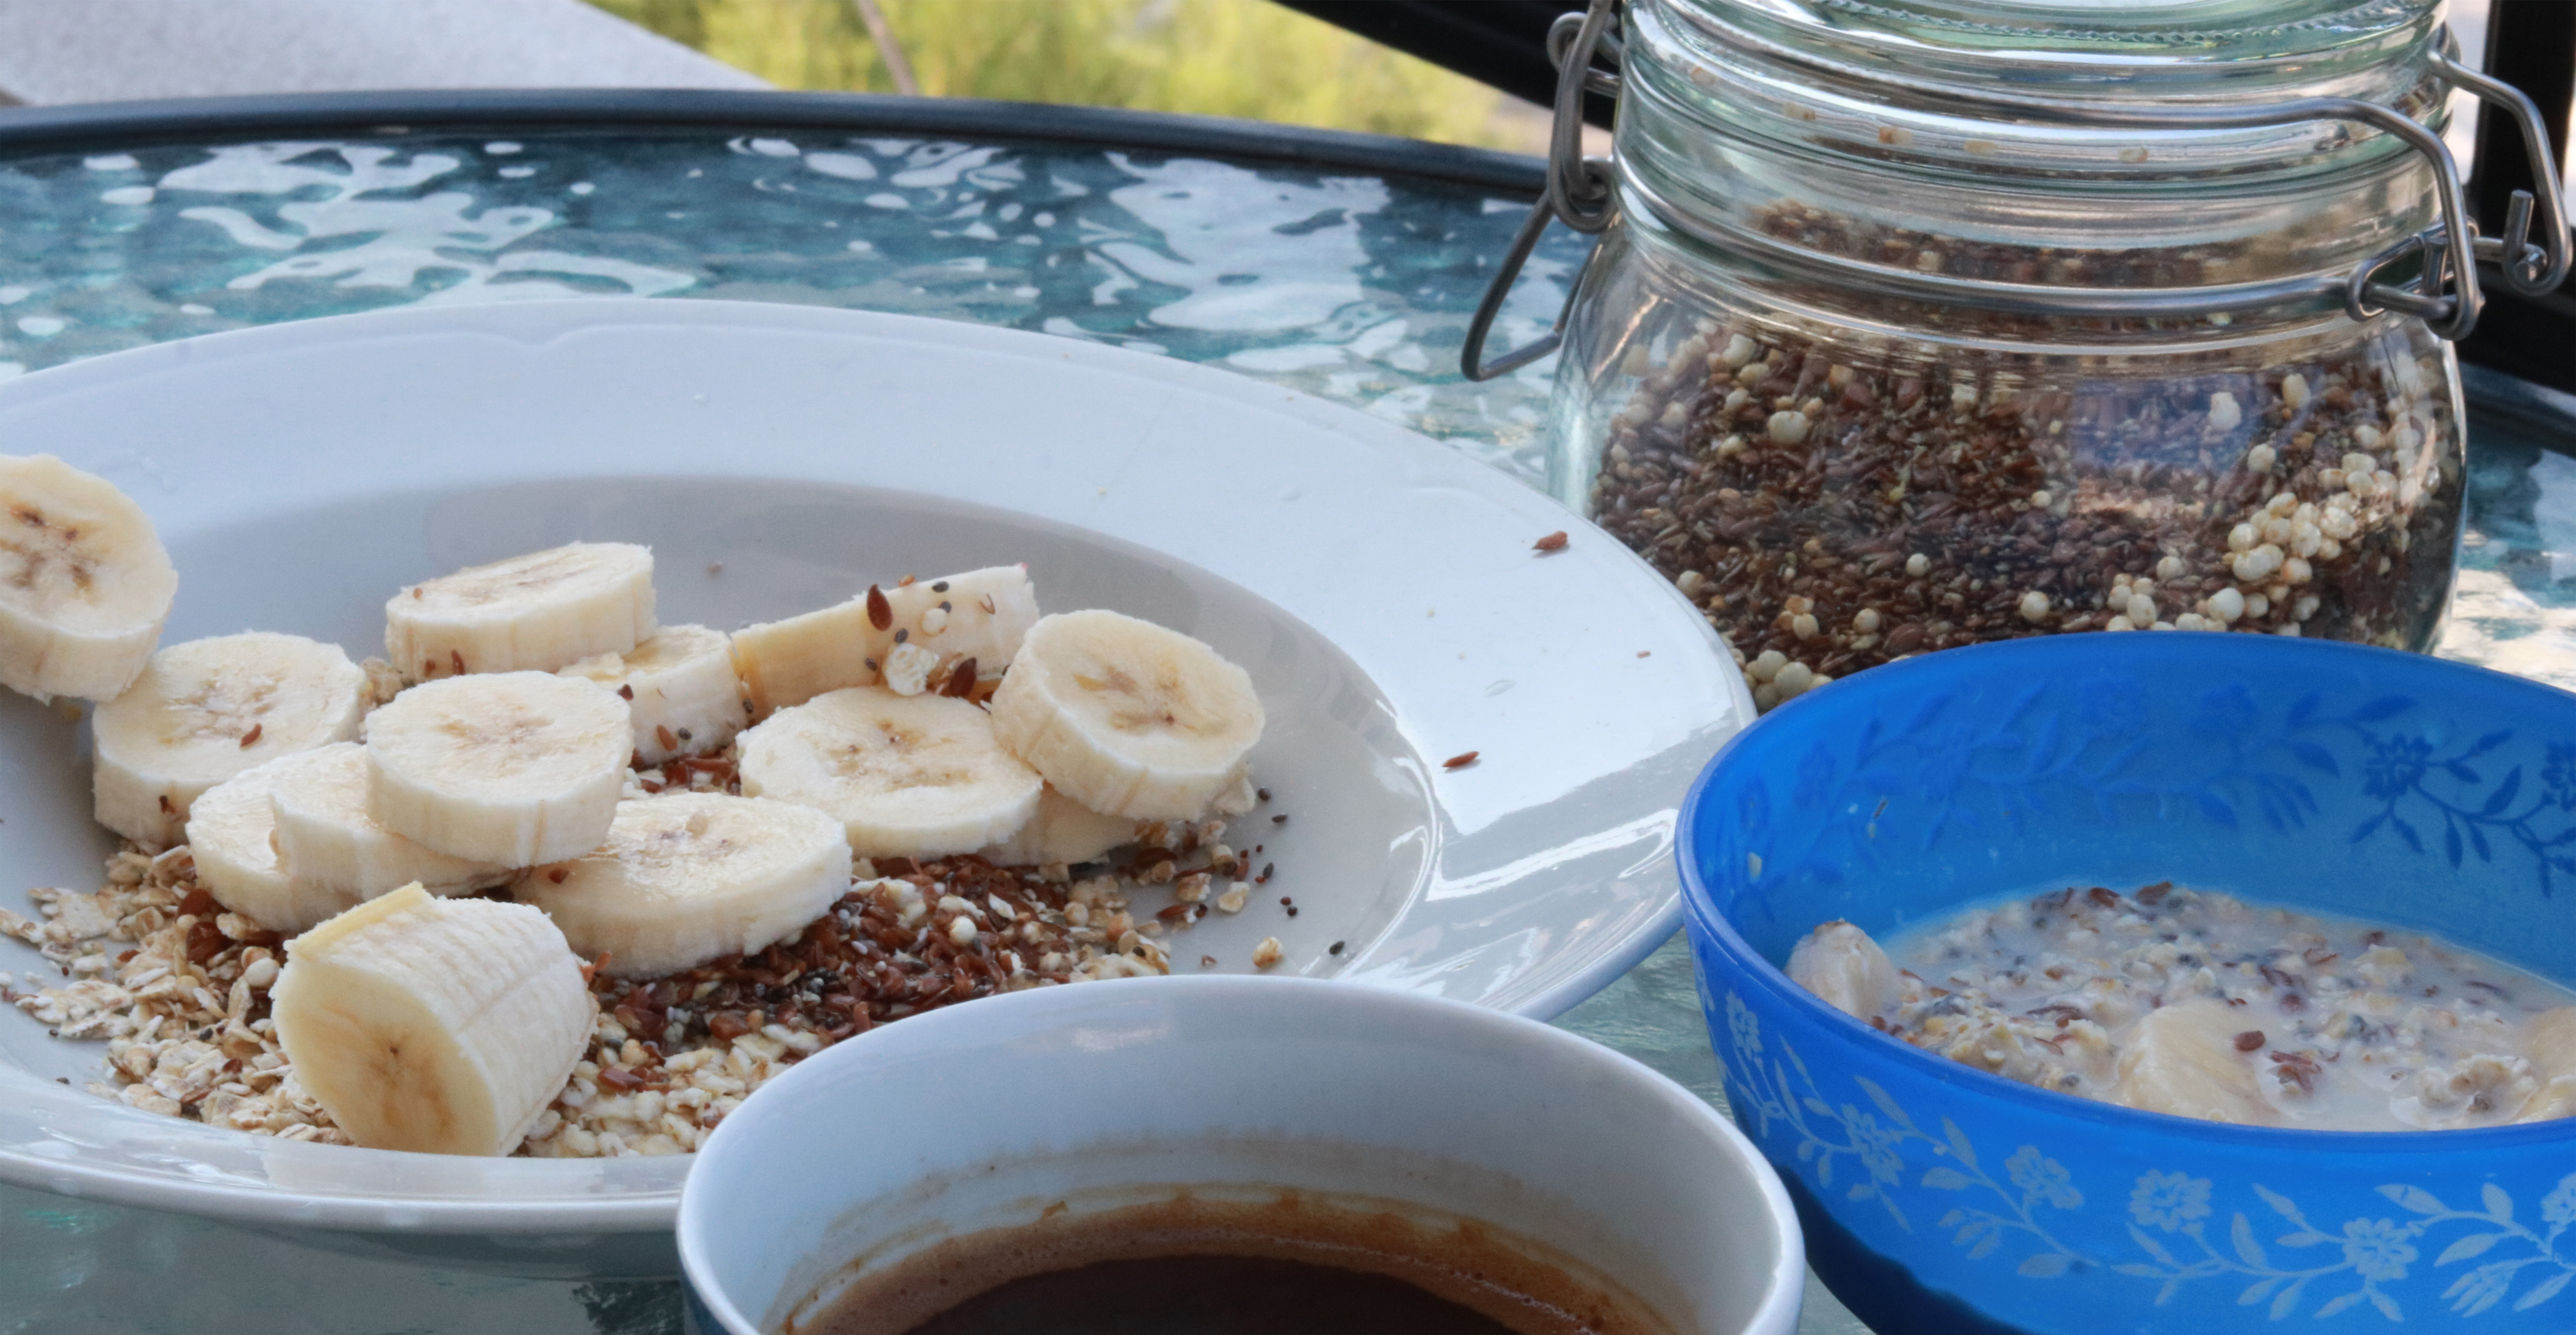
{"points": [[230, 831], [207, 710], [679, 688], [981, 614], [1062, 830], [685, 879], [2550, 1043], [786, 663], [908, 776], [84, 582], [328, 841], [513, 768], [443, 1026], [2183, 1060], [536, 612], [1839, 963], [1126, 717]]}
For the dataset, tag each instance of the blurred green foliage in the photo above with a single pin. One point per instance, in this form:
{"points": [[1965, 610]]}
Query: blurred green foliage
{"points": [[1246, 58]]}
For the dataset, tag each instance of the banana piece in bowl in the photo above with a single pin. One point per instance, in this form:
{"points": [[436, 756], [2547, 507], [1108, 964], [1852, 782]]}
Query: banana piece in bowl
{"points": [[204, 711], [1061, 831], [327, 840], [536, 612], [443, 1026], [907, 775], [939, 626], [785, 663], [2183, 1059], [232, 838], [680, 690], [910, 638], [1126, 717], [687, 878], [512, 768], [85, 583]]}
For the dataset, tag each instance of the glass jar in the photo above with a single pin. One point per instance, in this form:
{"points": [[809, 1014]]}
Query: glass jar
{"points": [[1917, 323]]}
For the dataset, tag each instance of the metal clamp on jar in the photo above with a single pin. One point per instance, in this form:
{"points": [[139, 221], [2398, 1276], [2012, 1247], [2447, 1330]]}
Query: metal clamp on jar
{"points": [[1917, 323]]}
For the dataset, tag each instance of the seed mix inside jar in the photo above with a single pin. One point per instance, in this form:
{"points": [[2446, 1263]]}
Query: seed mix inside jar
{"points": [[1833, 508]]}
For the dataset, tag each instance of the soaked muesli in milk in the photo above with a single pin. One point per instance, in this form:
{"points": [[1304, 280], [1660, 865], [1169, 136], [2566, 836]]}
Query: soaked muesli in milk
{"points": [[2202, 1005]]}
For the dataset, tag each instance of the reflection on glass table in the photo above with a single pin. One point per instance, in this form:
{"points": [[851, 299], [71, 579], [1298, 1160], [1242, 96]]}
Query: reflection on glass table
{"points": [[1346, 282]]}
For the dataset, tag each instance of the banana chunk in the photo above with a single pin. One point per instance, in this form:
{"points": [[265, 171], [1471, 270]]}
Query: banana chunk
{"points": [[2183, 1060], [685, 879], [513, 768], [1062, 830], [679, 687], [536, 612], [207, 710], [1839, 963], [443, 1026], [328, 841], [85, 584], [786, 663], [981, 615], [2550, 1043], [230, 832], [908, 776], [1126, 717]]}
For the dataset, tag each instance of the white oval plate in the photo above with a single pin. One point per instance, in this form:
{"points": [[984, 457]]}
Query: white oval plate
{"points": [[1380, 587]]}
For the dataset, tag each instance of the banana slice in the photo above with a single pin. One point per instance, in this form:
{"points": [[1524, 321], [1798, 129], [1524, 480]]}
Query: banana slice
{"points": [[328, 841], [679, 688], [2550, 1042], [1839, 963], [207, 710], [443, 1026], [2183, 1060], [84, 582], [536, 612], [1128, 718], [514, 768], [685, 879], [981, 614], [1063, 830], [230, 830], [786, 663], [908, 776]]}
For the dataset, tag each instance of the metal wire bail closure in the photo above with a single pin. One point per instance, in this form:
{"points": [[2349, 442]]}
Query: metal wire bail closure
{"points": [[2444, 292], [1579, 189]]}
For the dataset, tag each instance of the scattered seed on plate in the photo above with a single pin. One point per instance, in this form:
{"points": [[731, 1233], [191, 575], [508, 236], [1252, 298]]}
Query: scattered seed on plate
{"points": [[1553, 542], [1460, 761]]}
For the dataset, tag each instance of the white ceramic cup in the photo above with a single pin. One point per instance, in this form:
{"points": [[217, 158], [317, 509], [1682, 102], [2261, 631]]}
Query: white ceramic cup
{"points": [[983, 1115]]}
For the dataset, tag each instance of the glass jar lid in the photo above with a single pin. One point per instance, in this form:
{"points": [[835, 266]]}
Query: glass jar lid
{"points": [[2125, 129], [2113, 50]]}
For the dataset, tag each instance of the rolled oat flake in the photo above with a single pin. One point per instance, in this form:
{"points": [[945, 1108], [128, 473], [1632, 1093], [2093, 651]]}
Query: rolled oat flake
{"points": [[1919, 323]]}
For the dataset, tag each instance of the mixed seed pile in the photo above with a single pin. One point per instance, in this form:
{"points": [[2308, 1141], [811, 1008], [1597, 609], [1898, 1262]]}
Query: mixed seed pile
{"points": [[178, 987], [1831, 512]]}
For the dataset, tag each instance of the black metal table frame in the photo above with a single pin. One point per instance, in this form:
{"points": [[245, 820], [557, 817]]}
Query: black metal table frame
{"points": [[87, 128]]}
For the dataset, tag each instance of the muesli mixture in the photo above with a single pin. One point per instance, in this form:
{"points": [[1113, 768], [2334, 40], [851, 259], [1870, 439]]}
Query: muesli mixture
{"points": [[555, 877], [2202, 1005], [177, 987], [1830, 513]]}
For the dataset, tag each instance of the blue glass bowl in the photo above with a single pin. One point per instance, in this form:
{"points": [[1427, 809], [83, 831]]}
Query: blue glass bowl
{"points": [[1939, 1199]]}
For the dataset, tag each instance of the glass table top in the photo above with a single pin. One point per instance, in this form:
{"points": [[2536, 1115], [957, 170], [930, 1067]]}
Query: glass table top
{"points": [[1346, 283]]}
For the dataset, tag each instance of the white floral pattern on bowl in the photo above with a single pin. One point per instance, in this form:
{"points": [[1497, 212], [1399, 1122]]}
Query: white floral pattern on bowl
{"points": [[2170, 1213]]}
